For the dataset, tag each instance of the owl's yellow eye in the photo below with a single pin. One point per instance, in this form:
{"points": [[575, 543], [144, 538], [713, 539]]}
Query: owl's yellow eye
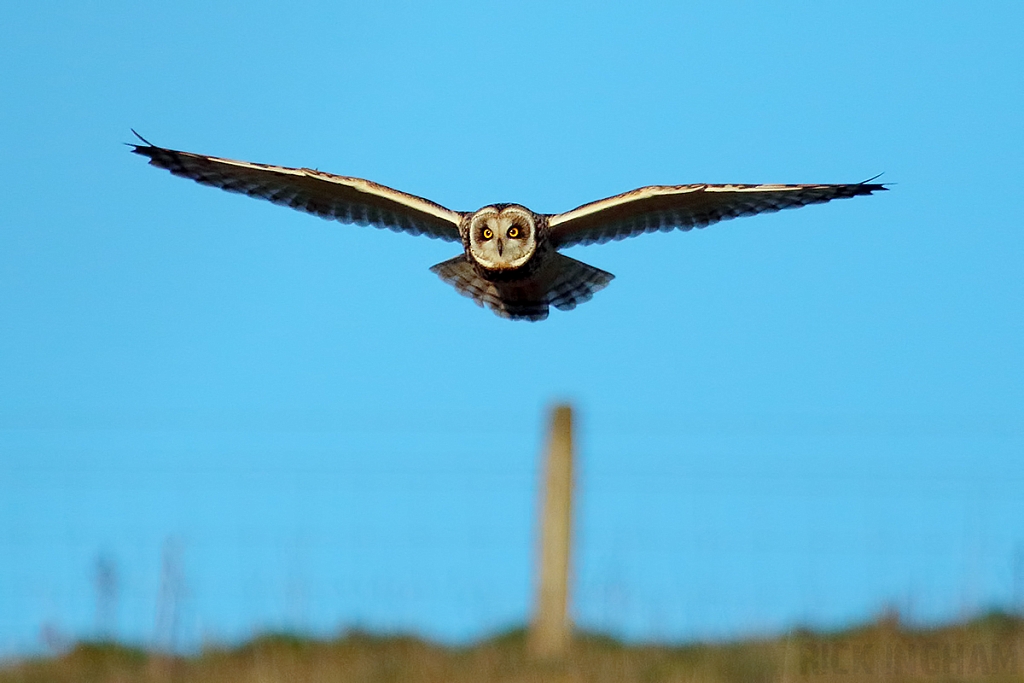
{"points": [[513, 232], [487, 233]]}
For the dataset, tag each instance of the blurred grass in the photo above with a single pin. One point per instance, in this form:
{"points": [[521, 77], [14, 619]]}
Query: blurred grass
{"points": [[990, 648]]}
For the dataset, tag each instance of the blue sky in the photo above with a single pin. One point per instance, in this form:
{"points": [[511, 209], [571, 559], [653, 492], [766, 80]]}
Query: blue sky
{"points": [[798, 418]]}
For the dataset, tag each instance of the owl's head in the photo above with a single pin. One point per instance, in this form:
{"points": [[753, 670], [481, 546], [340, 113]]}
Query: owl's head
{"points": [[502, 237]]}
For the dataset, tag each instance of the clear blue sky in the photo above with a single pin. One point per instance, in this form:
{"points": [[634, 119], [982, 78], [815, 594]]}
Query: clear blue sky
{"points": [[797, 418]]}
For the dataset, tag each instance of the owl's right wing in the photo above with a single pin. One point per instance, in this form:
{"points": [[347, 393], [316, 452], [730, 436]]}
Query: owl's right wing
{"points": [[340, 198], [682, 207]]}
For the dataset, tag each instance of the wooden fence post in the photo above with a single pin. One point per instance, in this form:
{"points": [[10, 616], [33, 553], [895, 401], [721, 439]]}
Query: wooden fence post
{"points": [[551, 628]]}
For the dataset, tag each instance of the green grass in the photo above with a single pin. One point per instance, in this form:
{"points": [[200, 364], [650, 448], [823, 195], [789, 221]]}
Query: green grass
{"points": [[990, 648]]}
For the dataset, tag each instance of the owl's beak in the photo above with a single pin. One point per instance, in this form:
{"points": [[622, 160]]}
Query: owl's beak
{"points": [[501, 247]]}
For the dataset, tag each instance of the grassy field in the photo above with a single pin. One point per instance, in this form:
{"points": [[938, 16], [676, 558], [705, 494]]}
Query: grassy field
{"points": [[986, 649]]}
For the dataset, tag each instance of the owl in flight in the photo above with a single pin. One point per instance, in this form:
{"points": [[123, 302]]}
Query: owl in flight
{"points": [[510, 261]]}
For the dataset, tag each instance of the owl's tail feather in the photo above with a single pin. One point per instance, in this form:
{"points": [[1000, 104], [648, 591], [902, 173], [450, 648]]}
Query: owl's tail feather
{"points": [[561, 282], [460, 273], [574, 282]]}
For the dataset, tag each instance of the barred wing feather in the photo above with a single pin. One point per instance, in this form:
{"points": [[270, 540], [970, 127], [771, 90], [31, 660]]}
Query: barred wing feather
{"points": [[683, 207], [348, 200]]}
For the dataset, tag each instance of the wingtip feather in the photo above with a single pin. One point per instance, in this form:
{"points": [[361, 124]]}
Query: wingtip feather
{"points": [[875, 187], [143, 149]]}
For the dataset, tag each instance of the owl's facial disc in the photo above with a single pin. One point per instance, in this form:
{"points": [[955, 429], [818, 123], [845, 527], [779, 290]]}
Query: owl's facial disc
{"points": [[502, 240]]}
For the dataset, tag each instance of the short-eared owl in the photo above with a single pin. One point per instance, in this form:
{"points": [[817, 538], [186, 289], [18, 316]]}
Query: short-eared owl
{"points": [[510, 260]]}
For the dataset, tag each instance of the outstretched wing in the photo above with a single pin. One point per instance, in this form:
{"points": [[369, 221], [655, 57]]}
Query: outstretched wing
{"points": [[683, 207], [349, 200]]}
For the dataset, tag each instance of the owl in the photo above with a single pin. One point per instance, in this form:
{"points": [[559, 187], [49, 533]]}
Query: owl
{"points": [[510, 260]]}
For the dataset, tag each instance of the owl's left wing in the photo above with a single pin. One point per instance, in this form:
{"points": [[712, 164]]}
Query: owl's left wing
{"points": [[348, 200], [683, 207]]}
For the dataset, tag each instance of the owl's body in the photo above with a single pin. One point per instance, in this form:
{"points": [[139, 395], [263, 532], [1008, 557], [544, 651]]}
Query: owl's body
{"points": [[510, 265], [510, 261]]}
